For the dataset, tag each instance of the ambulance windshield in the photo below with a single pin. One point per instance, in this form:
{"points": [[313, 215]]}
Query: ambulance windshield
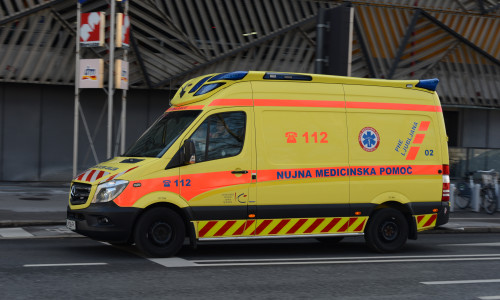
{"points": [[162, 134]]}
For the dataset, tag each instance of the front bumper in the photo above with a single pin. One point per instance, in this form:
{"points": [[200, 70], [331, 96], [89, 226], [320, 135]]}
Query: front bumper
{"points": [[105, 221]]}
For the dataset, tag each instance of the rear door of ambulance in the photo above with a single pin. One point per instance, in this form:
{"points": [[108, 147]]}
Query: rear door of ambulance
{"points": [[301, 141], [393, 134]]}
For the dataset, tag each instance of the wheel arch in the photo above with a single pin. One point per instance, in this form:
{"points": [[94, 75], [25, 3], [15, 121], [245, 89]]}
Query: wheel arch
{"points": [[185, 213], [405, 209]]}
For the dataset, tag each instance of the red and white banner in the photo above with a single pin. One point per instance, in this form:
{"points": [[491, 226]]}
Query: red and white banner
{"points": [[92, 29], [91, 73], [122, 31], [121, 74]]}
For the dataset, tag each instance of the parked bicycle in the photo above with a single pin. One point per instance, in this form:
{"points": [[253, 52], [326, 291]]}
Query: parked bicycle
{"points": [[464, 192], [488, 194]]}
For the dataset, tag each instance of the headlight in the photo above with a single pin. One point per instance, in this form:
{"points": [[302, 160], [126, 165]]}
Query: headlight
{"points": [[109, 190]]}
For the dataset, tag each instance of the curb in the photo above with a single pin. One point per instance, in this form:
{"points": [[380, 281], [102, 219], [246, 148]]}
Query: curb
{"points": [[27, 223]]}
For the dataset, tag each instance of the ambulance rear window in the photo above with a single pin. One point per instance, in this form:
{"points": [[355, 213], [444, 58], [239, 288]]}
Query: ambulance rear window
{"points": [[162, 134]]}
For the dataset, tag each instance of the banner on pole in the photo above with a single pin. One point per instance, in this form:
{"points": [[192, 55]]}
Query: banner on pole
{"points": [[122, 31], [92, 29], [121, 74], [91, 73]]}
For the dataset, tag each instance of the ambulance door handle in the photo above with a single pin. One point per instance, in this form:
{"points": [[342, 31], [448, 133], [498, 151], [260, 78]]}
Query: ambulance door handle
{"points": [[239, 172]]}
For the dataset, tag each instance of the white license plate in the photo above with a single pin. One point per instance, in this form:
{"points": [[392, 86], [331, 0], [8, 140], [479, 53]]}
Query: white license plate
{"points": [[71, 224]]}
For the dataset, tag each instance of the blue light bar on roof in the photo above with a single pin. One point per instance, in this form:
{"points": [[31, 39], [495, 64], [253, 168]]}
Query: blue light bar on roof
{"points": [[428, 84], [197, 86], [237, 75], [208, 88]]}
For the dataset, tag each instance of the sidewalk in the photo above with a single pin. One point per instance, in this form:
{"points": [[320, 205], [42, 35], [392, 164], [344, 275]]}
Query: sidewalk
{"points": [[467, 221], [39, 204], [33, 204]]}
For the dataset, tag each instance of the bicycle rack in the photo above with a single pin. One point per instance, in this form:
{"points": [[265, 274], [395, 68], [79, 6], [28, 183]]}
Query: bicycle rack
{"points": [[475, 203], [452, 197]]}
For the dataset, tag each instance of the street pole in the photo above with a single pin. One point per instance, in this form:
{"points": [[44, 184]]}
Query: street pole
{"points": [[124, 96], [111, 79], [77, 91]]}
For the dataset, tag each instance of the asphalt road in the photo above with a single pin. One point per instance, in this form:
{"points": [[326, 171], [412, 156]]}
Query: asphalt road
{"points": [[437, 266]]}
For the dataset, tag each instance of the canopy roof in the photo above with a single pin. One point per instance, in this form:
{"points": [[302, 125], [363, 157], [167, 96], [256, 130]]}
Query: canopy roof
{"points": [[175, 40]]}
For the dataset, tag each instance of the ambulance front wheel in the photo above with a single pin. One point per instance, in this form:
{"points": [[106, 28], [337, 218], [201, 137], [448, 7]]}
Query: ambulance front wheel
{"points": [[387, 230], [159, 232]]}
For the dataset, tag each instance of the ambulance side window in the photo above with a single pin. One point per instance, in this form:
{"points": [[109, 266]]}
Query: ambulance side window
{"points": [[220, 136]]}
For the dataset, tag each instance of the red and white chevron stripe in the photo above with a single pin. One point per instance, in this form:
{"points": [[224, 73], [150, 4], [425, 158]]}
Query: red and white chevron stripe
{"points": [[91, 175], [119, 174]]}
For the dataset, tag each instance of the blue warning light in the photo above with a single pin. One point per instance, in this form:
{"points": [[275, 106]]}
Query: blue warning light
{"points": [[428, 84], [237, 75]]}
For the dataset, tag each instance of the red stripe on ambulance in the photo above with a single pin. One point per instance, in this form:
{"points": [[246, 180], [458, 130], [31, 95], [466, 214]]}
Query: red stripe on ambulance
{"points": [[224, 228], [232, 102], [296, 226], [206, 228], [424, 125], [430, 221], [324, 103], [263, 226], [331, 224], [280, 226], [412, 153], [314, 225]]}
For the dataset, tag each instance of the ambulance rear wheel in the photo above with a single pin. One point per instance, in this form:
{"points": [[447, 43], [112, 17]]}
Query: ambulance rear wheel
{"points": [[159, 232], [387, 231]]}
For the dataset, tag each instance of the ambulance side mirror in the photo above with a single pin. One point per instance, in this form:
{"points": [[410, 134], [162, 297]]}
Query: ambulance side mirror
{"points": [[188, 152]]}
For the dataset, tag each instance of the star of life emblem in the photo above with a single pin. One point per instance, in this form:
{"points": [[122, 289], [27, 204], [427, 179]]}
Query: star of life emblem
{"points": [[369, 139]]}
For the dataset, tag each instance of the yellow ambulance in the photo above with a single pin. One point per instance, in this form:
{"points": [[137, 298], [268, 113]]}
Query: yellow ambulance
{"points": [[264, 155]]}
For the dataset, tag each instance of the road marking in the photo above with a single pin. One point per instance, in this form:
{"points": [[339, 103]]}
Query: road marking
{"points": [[474, 244], [250, 263], [59, 230], [490, 298], [461, 281], [169, 262], [14, 233], [351, 258], [37, 232], [174, 262], [64, 265]]}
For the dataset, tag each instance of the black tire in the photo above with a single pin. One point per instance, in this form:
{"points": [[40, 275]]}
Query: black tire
{"points": [[159, 232], [330, 239], [387, 230], [490, 200], [463, 196]]}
